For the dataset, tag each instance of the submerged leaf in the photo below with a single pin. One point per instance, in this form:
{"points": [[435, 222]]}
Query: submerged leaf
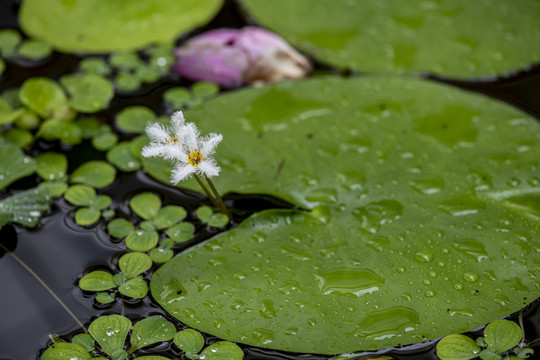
{"points": [[151, 330], [110, 332]]}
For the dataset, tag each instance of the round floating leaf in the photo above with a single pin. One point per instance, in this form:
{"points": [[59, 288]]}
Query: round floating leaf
{"points": [[189, 341], [160, 255], [94, 173], [97, 281], [51, 166], [43, 96], [502, 335], [134, 263], [150, 331], [168, 216], [146, 205], [80, 195], [27, 119], [89, 126], [142, 240], [84, 340], [405, 185], [135, 118], [203, 90], [393, 36], [7, 114], [105, 298], [86, 216], [125, 60], [100, 26], [122, 157], [178, 97], [95, 65], [135, 288], [65, 351], [14, 165], [181, 232], [104, 141], [54, 129], [89, 92], [55, 188], [126, 81], [120, 228], [9, 39], [222, 350], [102, 202], [21, 138], [204, 213], [457, 347], [34, 50], [110, 332], [147, 74], [218, 220]]}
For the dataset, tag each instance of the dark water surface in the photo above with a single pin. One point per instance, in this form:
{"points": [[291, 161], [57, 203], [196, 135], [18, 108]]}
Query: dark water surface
{"points": [[60, 251]]}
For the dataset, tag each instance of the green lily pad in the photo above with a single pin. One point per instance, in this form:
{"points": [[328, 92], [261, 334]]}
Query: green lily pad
{"points": [[54, 129], [151, 330], [204, 213], [34, 50], [393, 36], [502, 335], [222, 350], [97, 280], [190, 341], [26, 207], [95, 65], [402, 216], [178, 97], [122, 157], [218, 220], [146, 205], [65, 351], [43, 96], [160, 255], [126, 81], [120, 228], [105, 141], [110, 332], [94, 173], [87, 216], [134, 263], [14, 165], [9, 39], [100, 26], [90, 127], [135, 288], [142, 240], [181, 232], [51, 166], [80, 195], [135, 118], [125, 60], [168, 216], [89, 92]]}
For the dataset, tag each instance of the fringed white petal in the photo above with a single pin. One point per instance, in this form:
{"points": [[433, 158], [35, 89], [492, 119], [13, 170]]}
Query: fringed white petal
{"points": [[153, 150], [157, 132], [174, 152], [178, 122], [209, 143], [209, 168], [181, 172], [191, 134]]}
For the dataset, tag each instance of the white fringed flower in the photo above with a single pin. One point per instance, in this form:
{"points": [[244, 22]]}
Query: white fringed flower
{"points": [[196, 155], [165, 140]]}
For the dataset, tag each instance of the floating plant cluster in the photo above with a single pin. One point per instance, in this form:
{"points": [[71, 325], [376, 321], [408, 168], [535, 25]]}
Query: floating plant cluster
{"points": [[402, 210]]}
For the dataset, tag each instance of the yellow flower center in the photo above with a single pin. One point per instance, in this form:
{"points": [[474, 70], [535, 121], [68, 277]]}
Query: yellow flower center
{"points": [[171, 140], [195, 158]]}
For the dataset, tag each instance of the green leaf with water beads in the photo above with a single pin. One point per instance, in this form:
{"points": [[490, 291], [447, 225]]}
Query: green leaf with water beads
{"points": [[87, 216], [189, 341], [119, 228], [218, 220], [502, 335], [94, 173], [34, 50], [57, 129], [84, 340], [110, 332], [222, 350], [457, 347], [43, 96], [142, 240], [51, 166], [26, 207], [21, 138], [9, 39], [168, 216], [146, 205], [95, 65], [89, 92], [97, 280], [181, 232], [122, 157], [135, 288], [105, 298], [134, 263], [160, 255], [80, 195], [151, 330], [135, 118], [204, 213], [14, 165], [65, 351]]}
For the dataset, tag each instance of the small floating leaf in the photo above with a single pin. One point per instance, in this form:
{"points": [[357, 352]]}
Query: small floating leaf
{"points": [[89, 92], [87, 216], [190, 341], [95, 65], [202, 90], [160, 255], [55, 188], [125, 60], [151, 330], [104, 141], [42, 96], [110, 332], [67, 132], [222, 350], [97, 280], [142, 240], [105, 298], [457, 347], [168, 216], [134, 263], [135, 118], [13, 164], [21, 138], [26, 207], [34, 50], [126, 81], [9, 39], [178, 97], [65, 351], [94, 173], [84, 340], [146, 205], [90, 127], [135, 288], [122, 157], [7, 114], [218, 220], [181, 232], [120, 228], [102, 202], [80, 195], [502, 335], [204, 213], [51, 166]]}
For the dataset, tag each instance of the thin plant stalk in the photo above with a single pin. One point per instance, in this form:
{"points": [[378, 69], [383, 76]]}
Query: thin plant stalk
{"points": [[36, 276], [206, 191], [520, 319], [219, 199]]}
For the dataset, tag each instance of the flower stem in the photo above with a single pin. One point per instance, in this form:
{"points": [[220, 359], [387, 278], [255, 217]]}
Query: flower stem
{"points": [[219, 199], [27, 268], [206, 191]]}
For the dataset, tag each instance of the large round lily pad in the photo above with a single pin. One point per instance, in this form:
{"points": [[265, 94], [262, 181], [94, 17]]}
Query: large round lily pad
{"points": [[98, 26], [454, 38], [422, 216]]}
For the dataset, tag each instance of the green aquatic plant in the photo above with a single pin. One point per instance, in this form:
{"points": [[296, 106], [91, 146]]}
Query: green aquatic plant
{"points": [[211, 218], [92, 206], [14, 164], [94, 173], [13, 46], [180, 98]]}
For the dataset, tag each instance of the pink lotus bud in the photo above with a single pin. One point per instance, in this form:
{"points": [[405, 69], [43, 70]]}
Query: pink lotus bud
{"points": [[232, 57]]}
